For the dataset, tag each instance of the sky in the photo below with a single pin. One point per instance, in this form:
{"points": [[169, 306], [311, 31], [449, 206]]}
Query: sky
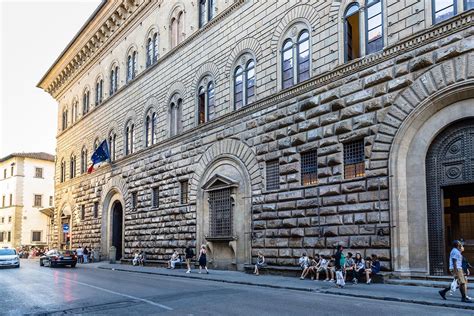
{"points": [[32, 35]]}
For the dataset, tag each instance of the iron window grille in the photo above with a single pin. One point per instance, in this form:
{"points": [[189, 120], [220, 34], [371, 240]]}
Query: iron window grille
{"points": [[354, 160], [96, 209], [309, 168], [273, 174], [184, 198], [156, 197], [50, 201], [83, 212], [221, 217]]}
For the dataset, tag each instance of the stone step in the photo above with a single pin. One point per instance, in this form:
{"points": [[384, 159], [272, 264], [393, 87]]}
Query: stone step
{"points": [[413, 282]]}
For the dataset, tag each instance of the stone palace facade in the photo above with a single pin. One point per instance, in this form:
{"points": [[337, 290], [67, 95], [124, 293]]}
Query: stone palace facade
{"points": [[275, 126]]}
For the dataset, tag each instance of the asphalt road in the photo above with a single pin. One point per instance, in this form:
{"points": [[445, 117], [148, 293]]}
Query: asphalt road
{"points": [[35, 290]]}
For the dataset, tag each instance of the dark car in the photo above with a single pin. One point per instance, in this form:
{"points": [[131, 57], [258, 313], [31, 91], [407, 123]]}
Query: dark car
{"points": [[54, 258]]}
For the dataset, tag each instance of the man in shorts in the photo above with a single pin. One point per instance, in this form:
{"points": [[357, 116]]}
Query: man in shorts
{"points": [[455, 266]]}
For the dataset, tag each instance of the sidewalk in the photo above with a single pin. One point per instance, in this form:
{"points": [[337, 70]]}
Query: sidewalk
{"points": [[408, 294]]}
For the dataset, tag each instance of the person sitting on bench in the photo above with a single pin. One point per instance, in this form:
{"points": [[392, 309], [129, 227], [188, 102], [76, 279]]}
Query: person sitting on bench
{"points": [[174, 260]]}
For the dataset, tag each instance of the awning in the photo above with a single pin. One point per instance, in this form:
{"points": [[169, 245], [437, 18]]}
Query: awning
{"points": [[49, 211]]}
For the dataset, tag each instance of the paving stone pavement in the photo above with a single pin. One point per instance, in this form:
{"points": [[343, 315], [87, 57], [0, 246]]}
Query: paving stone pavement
{"points": [[425, 295]]}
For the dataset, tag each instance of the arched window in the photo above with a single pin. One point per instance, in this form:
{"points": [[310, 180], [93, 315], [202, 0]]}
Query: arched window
{"points": [[244, 83], [303, 56], [114, 72], [64, 119], [210, 9], [206, 105], [202, 13], [72, 167], [85, 102], [180, 27], [74, 110], [374, 22], [295, 55], [175, 116], [132, 62], [443, 10], [351, 32], [129, 138], [62, 171], [287, 64], [152, 49], [112, 145], [99, 85], [84, 159], [174, 32], [150, 129]]}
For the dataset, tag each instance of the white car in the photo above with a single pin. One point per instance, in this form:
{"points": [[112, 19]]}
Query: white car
{"points": [[9, 258]]}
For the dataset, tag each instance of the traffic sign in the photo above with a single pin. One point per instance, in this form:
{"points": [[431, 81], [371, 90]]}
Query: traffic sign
{"points": [[66, 228]]}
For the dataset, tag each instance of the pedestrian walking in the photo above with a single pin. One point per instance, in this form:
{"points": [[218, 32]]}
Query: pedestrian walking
{"points": [[339, 263], [455, 266], [189, 255], [203, 259], [80, 254], [85, 254]]}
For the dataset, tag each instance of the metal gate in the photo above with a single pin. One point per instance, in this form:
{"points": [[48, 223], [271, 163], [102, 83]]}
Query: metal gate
{"points": [[450, 161]]}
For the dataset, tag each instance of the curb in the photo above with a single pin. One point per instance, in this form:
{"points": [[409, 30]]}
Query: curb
{"points": [[215, 280], [319, 291], [402, 300]]}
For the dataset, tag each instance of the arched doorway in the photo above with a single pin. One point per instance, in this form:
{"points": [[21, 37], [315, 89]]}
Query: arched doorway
{"points": [[450, 193], [65, 228], [117, 228]]}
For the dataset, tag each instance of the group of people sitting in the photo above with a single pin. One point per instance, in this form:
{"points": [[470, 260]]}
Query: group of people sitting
{"points": [[353, 268], [139, 258]]}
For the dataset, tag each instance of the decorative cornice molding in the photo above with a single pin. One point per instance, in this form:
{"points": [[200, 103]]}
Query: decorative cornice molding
{"points": [[123, 16]]}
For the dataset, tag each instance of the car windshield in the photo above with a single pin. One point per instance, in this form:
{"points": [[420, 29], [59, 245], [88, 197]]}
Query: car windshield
{"points": [[52, 252], [7, 252]]}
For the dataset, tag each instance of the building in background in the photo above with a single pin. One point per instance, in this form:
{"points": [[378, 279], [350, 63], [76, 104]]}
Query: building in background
{"points": [[276, 126], [26, 187]]}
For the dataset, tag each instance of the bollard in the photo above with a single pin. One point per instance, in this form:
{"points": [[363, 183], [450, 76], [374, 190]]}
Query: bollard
{"points": [[112, 254]]}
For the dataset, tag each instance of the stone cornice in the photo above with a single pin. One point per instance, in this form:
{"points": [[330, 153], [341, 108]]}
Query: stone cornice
{"points": [[104, 24], [106, 35]]}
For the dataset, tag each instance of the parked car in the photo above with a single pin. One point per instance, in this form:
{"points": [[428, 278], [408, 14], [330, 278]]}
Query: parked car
{"points": [[9, 258], [54, 258]]}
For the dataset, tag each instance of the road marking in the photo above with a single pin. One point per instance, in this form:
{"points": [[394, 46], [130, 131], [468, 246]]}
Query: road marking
{"points": [[116, 293]]}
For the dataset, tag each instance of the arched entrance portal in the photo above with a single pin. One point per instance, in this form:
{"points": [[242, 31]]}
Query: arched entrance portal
{"points": [[117, 228], [450, 193]]}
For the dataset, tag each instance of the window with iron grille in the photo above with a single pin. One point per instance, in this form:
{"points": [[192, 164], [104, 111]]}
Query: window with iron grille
{"points": [[83, 212], [9, 236], [273, 175], [50, 201], [38, 201], [38, 172], [184, 199], [309, 168], [134, 200], [2, 236], [156, 197], [220, 206], [96, 209], [354, 156], [35, 236]]}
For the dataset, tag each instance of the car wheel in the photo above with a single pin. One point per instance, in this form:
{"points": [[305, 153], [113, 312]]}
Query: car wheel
{"points": [[41, 263], [17, 266], [73, 265], [51, 265]]}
